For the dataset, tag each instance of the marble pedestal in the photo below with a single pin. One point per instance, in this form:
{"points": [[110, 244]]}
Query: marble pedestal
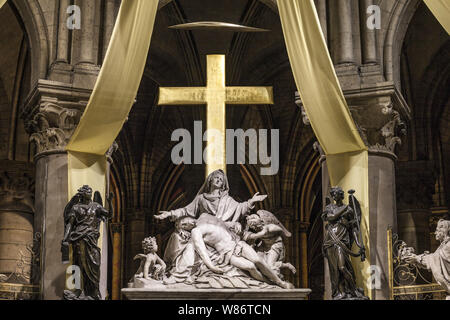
{"points": [[215, 294], [149, 289]]}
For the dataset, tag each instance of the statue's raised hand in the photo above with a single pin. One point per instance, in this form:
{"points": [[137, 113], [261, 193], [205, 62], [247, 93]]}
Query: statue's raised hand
{"points": [[411, 259], [163, 215], [258, 198]]}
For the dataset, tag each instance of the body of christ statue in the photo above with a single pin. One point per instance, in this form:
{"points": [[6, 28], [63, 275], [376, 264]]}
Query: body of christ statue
{"points": [[214, 232], [212, 199]]}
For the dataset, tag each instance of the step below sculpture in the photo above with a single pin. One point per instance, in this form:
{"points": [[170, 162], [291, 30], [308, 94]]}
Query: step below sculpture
{"points": [[217, 244]]}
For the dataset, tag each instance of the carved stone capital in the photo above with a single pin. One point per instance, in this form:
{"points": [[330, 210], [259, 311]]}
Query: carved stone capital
{"points": [[299, 103], [17, 186], [114, 147], [380, 114], [388, 136], [51, 114], [318, 148]]}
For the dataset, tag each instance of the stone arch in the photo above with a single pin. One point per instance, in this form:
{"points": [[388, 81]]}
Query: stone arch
{"points": [[272, 4], [402, 12], [31, 18], [432, 99]]}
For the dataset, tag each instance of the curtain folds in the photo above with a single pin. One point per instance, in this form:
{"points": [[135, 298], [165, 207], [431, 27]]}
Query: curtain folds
{"points": [[441, 10], [327, 110], [113, 95]]}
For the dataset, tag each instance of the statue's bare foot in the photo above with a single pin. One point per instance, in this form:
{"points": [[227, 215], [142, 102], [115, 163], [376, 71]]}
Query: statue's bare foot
{"points": [[189, 280], [170, 280], [216, 269], [287, 285], [290, 267]]}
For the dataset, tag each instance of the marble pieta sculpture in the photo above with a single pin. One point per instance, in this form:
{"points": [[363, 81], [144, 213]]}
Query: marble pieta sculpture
{"points": [[439, 261], [218, 243]]}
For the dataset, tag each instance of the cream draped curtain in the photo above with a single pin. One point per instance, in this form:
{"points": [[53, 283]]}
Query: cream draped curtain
{"points": [[112, 98], [327, 110], [113, 95], [2, 2], [441, 10]]}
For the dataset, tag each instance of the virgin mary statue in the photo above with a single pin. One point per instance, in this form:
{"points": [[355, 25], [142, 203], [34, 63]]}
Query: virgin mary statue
{"points": [[213, 199]]}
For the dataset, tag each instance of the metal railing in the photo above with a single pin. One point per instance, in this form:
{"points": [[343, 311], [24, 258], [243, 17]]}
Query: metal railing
{"points": [[403, 277]]}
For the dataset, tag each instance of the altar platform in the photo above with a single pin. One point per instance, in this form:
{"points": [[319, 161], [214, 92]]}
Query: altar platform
{"points": [[215, 294]]}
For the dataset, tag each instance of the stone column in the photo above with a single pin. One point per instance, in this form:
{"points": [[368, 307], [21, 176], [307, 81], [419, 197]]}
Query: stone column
{"points": [[379, 120], [62, 54], [325, 194], [135, 233], [107, 227], [86, 40], [303, 230], [87, 52], [415, 191], [342, 37], [368, 36], [117, 231], [16, 222], [377, 114], [60, 69], [109, 24], [51, 114], [321, 7]]}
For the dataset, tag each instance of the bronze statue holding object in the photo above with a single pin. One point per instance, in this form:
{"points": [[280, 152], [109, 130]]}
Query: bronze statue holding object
{"points": [[82, 219], [342, 229]]}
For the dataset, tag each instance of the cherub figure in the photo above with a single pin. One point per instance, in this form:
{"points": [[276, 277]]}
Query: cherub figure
{"points": [[266, 233], [152, 266]]}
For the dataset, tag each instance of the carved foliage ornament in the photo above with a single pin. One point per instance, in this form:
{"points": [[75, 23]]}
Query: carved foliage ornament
{"points": [[391, 131], [16, 190], [52, 126]]}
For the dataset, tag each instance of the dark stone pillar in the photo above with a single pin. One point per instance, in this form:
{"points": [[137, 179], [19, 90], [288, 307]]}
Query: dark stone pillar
{"points": [[414, 193], [51, 114], [16, 222], [377, 114], [135, 233]]}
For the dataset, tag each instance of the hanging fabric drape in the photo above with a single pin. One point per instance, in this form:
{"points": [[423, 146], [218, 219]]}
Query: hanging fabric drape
{"points": [[441, 10], [113, 95], [2, 2], [112, 98], [327, 110]]}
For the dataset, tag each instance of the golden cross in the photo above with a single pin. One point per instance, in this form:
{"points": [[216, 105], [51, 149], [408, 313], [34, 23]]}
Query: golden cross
{"points": [[215, 95]]}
